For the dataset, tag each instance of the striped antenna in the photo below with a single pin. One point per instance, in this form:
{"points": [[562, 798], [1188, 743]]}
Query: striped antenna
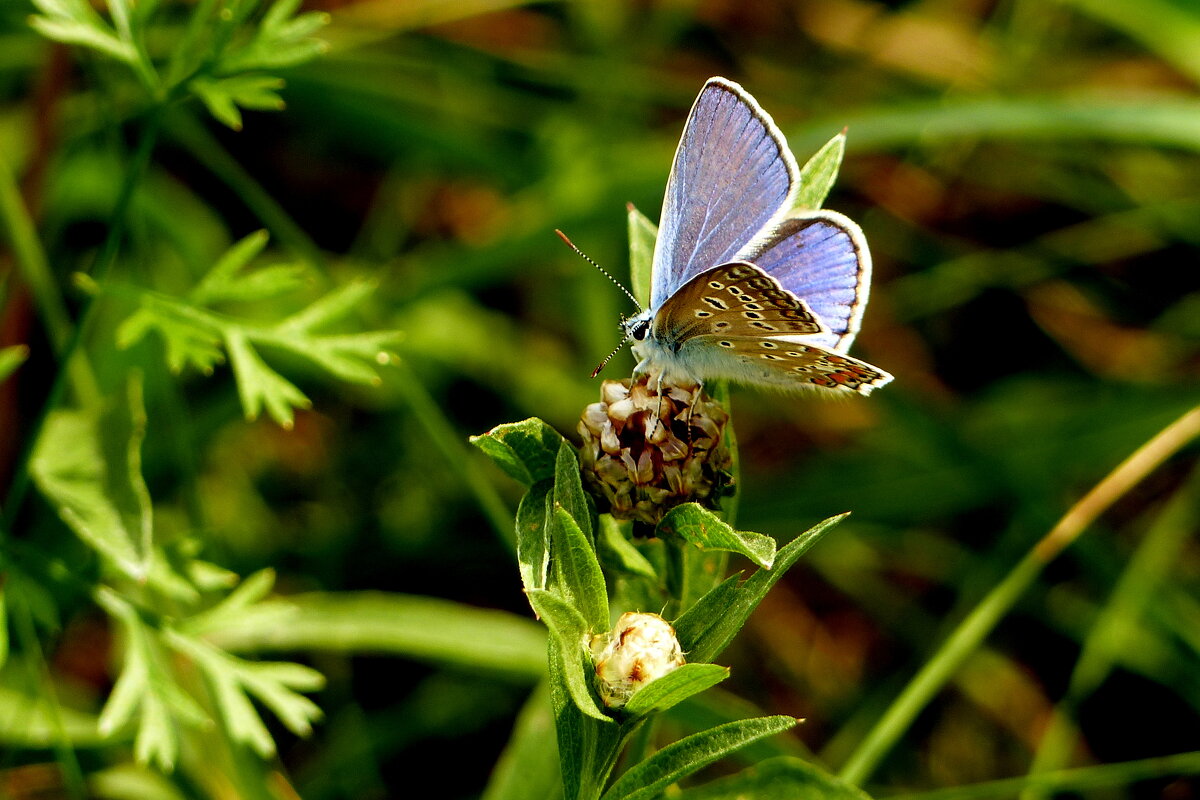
{"points": [[606, 274], [609, 357]]}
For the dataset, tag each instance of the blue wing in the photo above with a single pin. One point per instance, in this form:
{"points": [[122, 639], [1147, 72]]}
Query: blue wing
{"points": [[733, 175], [821, 257]]}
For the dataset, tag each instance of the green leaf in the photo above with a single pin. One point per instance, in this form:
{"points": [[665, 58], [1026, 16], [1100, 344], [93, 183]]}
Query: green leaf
{"points": [[89, 467], [3, 623], [642, 235], [648, 779], [675, 687], [528, 766], [568, 489], [778, 779], [186, 342], [526, 450], [11, 358], [587, 747], [259, 385], [216, 283], [85, 33], [280, 40], [223, 97], [569, 630], [705, 629], [620, 553], [705, 529], [577, 572], [432, 630], [32, 719], [533, 535], [818, 175]]}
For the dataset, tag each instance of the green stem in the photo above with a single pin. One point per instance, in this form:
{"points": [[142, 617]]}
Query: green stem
{"points": [[205, 148], [102, 266], [971, 632], [451, 443], [1106, 776], [35, 269]]}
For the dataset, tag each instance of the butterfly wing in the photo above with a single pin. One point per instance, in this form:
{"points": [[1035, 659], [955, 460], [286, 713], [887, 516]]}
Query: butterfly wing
{"points": [[733, 175], [738, 299], [822, 257], [782, 364]]}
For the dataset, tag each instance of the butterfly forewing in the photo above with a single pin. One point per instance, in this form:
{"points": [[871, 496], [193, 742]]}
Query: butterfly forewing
{"points": [[823, 258], [788, 365], [732, 175], [737, 299]]}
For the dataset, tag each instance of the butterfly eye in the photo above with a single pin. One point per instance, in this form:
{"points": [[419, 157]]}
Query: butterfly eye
{"points": [[641, 330]]}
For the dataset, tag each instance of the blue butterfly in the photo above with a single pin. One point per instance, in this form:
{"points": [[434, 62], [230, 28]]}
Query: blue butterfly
{"points": [[745, 286]]}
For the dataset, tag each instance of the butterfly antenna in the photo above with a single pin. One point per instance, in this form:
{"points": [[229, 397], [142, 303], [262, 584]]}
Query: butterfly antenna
{"points": [[609, 357], [606, 274]]}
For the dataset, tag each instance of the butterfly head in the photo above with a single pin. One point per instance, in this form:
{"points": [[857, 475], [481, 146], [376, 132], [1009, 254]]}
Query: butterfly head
{"points": [[637, 327]]}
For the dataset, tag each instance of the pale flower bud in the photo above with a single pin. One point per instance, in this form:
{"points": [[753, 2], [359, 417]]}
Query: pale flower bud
{"points": [[639, 649]]}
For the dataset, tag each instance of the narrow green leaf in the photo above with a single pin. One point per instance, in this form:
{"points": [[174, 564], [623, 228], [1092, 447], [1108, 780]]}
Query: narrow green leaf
{"points": [[526, 450], [619, 552], [330, 308], [648, 779], [818, 175], [222, 275], [705, 529], [84, 34], [29, 720], [11, 358], [642, 235], [568, 628], [778, 779], [675, 687], [528, 766], [89, 467], [259, 385], [587, 747], [432, 630], [3, 623], [568, 488], [577, 571], [533, 535], [705, 629], [121, 12]]}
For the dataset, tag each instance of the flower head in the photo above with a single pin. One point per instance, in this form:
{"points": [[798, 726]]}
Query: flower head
{"points": [[639, 649], [644, 453]]}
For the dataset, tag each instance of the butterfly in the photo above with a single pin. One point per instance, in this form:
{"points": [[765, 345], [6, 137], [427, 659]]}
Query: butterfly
{"points": [[744, 286]]}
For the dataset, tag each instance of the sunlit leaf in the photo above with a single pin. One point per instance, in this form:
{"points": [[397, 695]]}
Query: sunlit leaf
{"points": [[701, 527], [89, 467], [11, 358], [259, 385], [576, 570], [706, 628], [675, 687], [777, 779], [818, 175], [642, 235], [569, 629], [224, 97], [526, 450], [648, 779]]}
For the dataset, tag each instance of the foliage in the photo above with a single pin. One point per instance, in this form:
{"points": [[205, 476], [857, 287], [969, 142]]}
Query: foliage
{"points": [[177, 582]]}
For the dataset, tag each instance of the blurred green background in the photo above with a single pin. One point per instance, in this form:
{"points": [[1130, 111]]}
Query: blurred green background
{"points": [[1027, 173]]}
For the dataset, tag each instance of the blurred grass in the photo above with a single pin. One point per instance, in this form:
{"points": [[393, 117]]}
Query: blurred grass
{"points": [[1026, 175]]}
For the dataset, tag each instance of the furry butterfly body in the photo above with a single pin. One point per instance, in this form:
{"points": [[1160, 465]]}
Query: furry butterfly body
{"points": [[743, 285]]}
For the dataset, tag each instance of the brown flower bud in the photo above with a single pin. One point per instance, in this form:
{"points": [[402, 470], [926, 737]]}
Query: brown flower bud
{"points": [[643, 454], [641, 648]]}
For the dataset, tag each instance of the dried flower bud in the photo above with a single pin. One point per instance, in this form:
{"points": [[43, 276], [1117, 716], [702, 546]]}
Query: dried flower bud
{"points": [[639, 649], [642, 455]]}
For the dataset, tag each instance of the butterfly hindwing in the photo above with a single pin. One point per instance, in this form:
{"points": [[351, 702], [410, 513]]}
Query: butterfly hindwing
{"points": [[822, 257], [785, 364], [737, 299], [732, 176]]}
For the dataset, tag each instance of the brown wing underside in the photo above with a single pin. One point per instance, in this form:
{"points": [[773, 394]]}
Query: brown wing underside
{"points": [[785, 363], [737, 299]]}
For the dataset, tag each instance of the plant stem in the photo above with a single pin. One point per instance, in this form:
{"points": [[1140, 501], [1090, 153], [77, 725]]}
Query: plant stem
{"points": [[964, 640], [101, 267], [1106, 776]]}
